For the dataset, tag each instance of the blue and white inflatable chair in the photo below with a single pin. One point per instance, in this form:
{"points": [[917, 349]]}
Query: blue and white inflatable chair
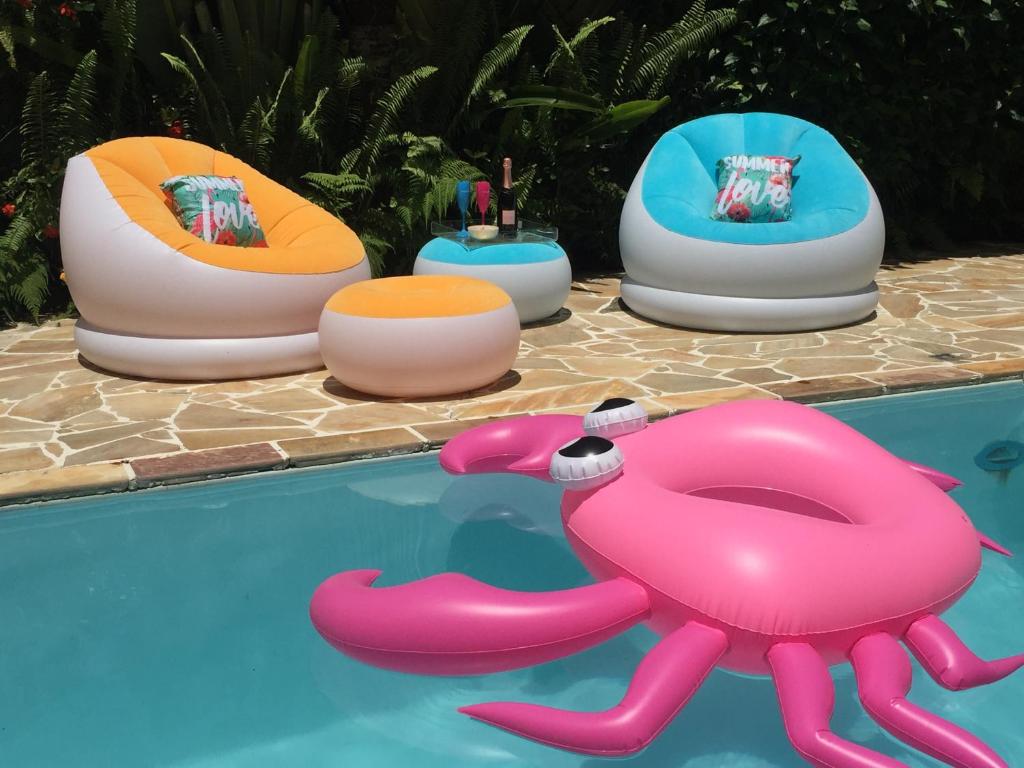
{"points": [[814, 271]]}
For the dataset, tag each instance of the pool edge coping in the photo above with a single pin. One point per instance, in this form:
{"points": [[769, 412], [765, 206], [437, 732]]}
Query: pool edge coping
{"points": [[55, 483]]}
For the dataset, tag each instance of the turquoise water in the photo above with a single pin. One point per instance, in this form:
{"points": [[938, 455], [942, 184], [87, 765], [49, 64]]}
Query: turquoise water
{"points": [[169, 627]]}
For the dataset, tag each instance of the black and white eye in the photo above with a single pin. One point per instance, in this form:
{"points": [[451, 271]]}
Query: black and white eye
{"points": [[615, 417], [586, 463]]}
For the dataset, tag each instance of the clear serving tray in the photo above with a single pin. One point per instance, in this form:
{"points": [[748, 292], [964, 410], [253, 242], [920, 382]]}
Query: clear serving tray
{"points": [[528, 232]]}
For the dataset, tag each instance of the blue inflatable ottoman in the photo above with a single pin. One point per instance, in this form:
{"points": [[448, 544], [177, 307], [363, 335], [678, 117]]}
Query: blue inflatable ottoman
{"points": [[537, 275]]}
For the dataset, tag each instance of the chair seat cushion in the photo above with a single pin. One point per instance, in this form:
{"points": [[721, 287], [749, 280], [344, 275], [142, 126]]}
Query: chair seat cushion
{"points": [[418, 296], [302, 237], [450, 252], [679, 179]]}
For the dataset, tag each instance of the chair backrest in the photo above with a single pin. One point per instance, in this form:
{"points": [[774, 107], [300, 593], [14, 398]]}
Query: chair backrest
{"points": [[152, 159], [831, 194], [133, 168]]}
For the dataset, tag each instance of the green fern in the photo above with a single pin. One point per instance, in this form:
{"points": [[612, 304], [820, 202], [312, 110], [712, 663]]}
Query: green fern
{"points": [[382, 121], [620, 61], [198, 95], [565, 64], [17, 236], [350, 72], [340, 184], [209, 89], [662, 53], [587, 29], [524, 185], [7, 44], [497, 59], [312, 124], [37, 139], [24, 274], [77, 117], [31, 285], [118, 19]]}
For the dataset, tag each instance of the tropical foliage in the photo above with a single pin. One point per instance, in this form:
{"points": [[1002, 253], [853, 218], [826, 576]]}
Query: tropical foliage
{"points": [[928, 95], [62, 114], [376, 110]]}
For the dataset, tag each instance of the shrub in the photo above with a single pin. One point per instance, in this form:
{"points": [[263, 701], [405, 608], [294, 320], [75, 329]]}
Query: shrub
{"points": [[376, 110], [927, 95]]}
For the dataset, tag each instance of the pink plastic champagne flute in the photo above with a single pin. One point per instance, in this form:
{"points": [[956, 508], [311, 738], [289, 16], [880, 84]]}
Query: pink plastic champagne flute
{"points": [[483, 198]]}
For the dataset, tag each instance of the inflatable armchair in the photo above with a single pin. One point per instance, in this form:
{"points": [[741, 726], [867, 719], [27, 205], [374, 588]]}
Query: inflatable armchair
{"points": [[158, 302], [814, 271]]}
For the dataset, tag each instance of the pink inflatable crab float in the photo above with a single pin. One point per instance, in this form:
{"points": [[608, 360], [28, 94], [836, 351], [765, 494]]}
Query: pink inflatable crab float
{"points": [[763, 537]]}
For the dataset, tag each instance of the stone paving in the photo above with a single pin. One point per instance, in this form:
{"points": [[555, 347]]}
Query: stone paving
{"points": [[67, 428]]}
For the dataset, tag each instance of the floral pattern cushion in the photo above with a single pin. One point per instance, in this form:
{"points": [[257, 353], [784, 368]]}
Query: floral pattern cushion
{"points": [[215, 209], [754, 188]]}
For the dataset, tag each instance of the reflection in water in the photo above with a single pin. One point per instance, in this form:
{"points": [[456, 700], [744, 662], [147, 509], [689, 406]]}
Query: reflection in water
{"points": [[495, 553], [522, 502], [417, 489]]}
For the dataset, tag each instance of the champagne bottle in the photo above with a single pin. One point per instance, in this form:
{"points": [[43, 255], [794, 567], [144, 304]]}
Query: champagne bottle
{"points": [[508, 217]]}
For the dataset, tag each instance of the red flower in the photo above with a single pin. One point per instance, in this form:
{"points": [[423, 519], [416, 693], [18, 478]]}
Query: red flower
{"points": [[50, 232], [226, 237], [9, 210], [67, 11], [176, 129], [738, 212], [199, 225]]}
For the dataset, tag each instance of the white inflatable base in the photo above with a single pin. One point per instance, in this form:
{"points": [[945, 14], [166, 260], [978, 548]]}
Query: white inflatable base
{"points": [[154, 357], [742, 314], [420, 356], [537, 288]]}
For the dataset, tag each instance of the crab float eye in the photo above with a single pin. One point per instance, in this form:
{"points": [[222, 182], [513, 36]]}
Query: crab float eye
{"points": [[615, 417], [586, 463]]}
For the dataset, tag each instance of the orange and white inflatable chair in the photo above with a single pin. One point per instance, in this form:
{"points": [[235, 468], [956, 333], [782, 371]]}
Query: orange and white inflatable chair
{"points": [[158, 302]]}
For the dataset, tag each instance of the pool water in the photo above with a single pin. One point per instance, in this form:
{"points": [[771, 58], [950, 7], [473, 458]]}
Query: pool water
{"points": [[169, 627]]}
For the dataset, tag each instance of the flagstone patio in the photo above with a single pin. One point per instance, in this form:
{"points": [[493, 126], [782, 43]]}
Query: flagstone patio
{"points": [[67, 428]]}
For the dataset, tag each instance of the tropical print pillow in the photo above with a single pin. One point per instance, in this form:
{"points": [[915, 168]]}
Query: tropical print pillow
{"points": [[215, 209], [754, 188]]}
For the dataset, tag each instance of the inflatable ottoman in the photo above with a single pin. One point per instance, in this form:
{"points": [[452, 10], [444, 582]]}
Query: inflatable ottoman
{"points": [[536, 275], [419, 336]]}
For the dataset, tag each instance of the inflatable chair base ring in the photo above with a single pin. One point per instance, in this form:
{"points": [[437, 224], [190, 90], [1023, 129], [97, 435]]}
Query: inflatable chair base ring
{"points": [[747, 314], [198, 359]]}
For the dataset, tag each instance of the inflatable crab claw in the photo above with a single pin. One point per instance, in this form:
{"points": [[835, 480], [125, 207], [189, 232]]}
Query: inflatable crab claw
{"points": [[522, 445], [577, 453], [435, 625]]}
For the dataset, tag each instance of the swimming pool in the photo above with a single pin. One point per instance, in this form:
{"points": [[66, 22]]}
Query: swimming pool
{"points": [[170, 628]]}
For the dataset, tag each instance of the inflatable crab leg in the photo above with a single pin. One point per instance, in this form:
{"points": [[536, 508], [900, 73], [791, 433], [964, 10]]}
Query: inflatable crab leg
{"points": [[884, 675], [451, 624], [947, 483], [806, 698], [661, 686], [995, 546], [951, 663], [939, 479]]}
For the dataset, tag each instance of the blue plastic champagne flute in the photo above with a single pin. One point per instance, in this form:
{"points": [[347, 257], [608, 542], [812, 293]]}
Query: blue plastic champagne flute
{"points": [[462, 197]]}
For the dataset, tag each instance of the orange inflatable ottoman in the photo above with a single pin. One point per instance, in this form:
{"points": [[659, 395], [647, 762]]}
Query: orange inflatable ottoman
{"points": [[419, 336]]}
